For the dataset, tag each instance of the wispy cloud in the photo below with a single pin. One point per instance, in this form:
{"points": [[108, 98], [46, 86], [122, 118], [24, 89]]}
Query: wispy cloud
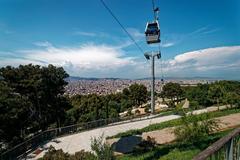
{"points": [[91, 34], [167, 44], [5, 29], [120, 41], [12, 58], [203, 31], [211, 31], [169, 40], [81, 33], [136, 34], [43, 44]]}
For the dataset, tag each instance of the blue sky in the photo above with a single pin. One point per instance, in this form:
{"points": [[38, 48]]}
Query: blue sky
{"points": [[199, 38]]}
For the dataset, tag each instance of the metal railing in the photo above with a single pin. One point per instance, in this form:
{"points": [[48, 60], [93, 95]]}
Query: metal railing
{"points": [[226, 148], [22, 150]]}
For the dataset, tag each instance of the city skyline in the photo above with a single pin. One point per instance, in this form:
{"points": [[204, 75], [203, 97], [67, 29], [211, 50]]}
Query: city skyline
{"points": [[199, 38]]}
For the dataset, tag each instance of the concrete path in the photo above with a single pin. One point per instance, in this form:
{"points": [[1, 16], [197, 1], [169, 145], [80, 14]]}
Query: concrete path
{"points": [[208, 109], [77, 142]]}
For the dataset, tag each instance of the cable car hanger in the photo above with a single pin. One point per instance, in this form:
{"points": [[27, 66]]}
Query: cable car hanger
{"points": [[155, 11], [152, 30]]}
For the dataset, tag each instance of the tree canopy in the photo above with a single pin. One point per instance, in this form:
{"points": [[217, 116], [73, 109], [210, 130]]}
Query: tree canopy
{"points": [[220, 92], [31, 98], [173, 91]]}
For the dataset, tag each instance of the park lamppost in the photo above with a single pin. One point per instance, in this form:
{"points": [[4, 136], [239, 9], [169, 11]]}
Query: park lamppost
{"points": [[152, 55]]}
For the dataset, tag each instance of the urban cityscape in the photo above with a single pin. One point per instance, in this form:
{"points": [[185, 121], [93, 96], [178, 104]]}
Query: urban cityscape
{"points": [[119, 80], [108, 86]]}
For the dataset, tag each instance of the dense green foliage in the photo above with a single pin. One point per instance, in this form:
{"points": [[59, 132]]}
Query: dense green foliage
{"points": [[94, 107], [222, 92], [31, 98], [13, 111], [137, 94], [173, 91]]}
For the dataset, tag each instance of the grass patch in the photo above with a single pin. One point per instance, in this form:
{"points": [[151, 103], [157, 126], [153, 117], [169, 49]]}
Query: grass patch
{"points": [[180, 155], [172, 123]]}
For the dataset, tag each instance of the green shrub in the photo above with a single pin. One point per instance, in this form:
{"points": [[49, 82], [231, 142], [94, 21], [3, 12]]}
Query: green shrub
{"points": [[194, 105], [102, 150], [195, 128], [54, 154], [83, 155]]}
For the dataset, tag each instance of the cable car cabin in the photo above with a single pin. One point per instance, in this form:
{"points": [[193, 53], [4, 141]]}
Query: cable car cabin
{"points": [[152, 32]]}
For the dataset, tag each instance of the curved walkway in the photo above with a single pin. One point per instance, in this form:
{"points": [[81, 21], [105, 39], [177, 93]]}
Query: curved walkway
{"points": [[77, 142]]}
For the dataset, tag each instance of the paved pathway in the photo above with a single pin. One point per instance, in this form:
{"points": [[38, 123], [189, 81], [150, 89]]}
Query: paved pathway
{"points": [[77, 142]]}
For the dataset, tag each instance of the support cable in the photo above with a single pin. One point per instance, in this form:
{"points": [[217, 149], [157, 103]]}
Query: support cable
{"points": [[129, 35]]}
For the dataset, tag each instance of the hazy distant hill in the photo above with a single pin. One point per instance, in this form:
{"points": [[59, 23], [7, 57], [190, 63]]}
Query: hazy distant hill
{"points": [[73, 78], [183, 78]]}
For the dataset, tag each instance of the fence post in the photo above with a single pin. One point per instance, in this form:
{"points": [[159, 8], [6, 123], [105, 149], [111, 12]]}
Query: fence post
{"points": [[229, 150]]}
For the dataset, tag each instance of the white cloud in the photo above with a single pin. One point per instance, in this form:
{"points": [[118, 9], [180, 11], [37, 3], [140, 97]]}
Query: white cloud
{"points": [[202, 57], [210, 61], [92, 60], [84, 60], [168, 44]]}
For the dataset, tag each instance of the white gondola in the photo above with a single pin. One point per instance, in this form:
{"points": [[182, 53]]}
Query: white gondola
{"points": [[152, 32]]}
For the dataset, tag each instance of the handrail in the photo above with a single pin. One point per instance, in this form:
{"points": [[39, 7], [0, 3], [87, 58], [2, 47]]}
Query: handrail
{"points": [[37, 140], [218, 145]]}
